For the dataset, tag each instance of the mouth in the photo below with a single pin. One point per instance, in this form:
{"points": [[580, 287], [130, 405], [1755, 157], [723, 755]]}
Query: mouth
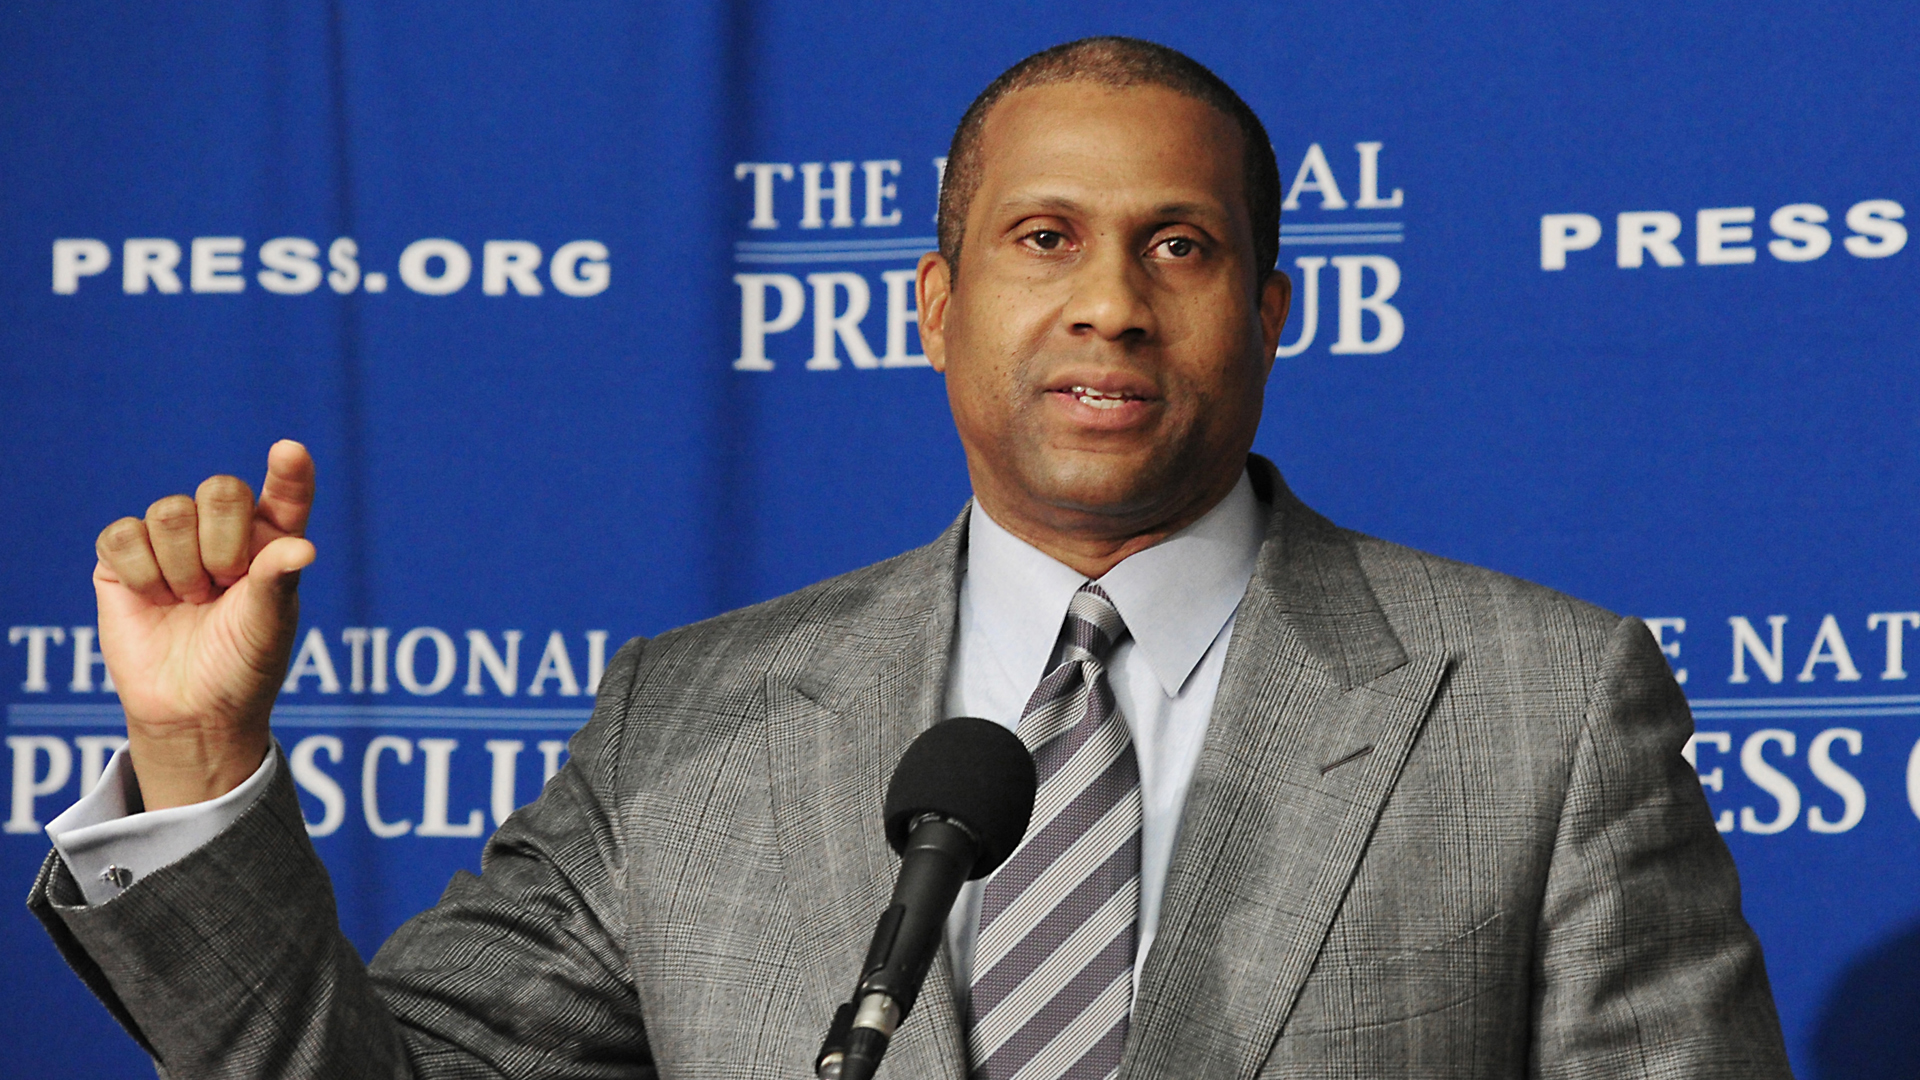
{"points": [[1100, 399]]}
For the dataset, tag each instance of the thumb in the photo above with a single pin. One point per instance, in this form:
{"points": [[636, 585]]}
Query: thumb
{"points": [[278, 565], [263, 606]]}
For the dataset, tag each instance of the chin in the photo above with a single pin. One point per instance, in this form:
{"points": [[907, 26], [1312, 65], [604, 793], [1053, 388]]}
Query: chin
{"points": [[1111, 489]]}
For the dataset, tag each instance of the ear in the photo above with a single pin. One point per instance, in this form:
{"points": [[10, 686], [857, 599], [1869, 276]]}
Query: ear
{"points": [[933, 282], [1276, 297]]}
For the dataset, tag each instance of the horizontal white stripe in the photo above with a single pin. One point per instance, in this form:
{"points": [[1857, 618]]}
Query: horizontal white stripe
{"points": [[912, 255], [322, 716], [1800, 702], [927, 243], [1805, 714], [1367, 238], [1358, 226]]}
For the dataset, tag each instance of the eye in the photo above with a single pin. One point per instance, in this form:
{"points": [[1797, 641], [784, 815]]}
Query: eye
{"points": [[1046, 239], [1178, 247]]}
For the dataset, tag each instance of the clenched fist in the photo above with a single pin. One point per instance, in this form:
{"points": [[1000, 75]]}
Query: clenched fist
{"points": [[198, 609]]}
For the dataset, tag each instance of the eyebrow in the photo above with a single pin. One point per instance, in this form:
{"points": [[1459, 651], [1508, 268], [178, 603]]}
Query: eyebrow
{"points": [[1025, 205]]}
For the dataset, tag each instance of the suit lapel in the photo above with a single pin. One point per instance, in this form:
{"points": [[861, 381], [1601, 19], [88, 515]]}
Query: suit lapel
{"points": [[1318, 708], [838, 721]]}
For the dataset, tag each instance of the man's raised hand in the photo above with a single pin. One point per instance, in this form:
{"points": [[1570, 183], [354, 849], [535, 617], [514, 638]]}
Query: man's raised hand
{"points": [[199, 605]]}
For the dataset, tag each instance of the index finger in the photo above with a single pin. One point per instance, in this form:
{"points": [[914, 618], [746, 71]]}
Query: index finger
{"points": [[286, 498]]}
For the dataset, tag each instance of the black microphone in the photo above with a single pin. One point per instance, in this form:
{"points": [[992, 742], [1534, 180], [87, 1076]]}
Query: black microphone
{"points": [[958, 805]]}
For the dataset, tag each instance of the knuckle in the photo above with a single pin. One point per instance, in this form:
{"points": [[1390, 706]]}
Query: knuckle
{"points": [[226, 493], [172, 512], [121, 536]]}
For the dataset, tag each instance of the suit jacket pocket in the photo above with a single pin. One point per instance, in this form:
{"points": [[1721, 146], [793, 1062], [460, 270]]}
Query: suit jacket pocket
{"points": [[1354, 988]]}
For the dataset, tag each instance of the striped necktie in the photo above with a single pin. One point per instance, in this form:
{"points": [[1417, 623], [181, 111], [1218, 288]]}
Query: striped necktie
{"points": [[1053, 963]]}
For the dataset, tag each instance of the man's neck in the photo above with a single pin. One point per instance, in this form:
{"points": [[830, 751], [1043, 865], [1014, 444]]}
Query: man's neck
{"points": [[1090, 544]]}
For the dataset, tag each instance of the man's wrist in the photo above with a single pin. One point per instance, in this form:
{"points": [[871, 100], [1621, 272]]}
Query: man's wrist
{"points": [[188, 769]]}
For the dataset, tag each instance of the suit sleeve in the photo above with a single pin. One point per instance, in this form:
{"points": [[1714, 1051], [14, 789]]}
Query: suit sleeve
{"points": [[1645, 966], [231, 963]]}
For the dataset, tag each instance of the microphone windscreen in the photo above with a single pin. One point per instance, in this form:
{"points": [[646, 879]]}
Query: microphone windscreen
{"points": [[973, 771]]}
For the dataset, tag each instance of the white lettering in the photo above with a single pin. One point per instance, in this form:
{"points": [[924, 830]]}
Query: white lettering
{"points": [[555, 665], [36, 638], [503, 261], [341, 255], [1370, 180], [433, 811], [1659, 627], [550, 750], [215, 266], [28, 783], [379, 685], [288, 266], [456, 266], [1753, 762], [1896, 623], [812, 195], [1913, 780], [316, 782], [506, 673], [84, 658], [754, 325], [370, 782], [596, 659], [506, 756], [1715, 780], [75, 259], [1354, 302], [149, 260], [900, 318], [1878, 234], [1713, 232], [1802, 239], [1309, 305], [878, 192], [580, 268], [1853, 797], [1746, 642], [1315, 175], [446, 661], [763, 173], [845, 324], [1561, 233], [355, 639], [1830, 647], [1638, 233], [313, 659]]}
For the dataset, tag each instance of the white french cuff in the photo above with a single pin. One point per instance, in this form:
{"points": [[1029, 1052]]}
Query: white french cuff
{"points": [[108, 849]]}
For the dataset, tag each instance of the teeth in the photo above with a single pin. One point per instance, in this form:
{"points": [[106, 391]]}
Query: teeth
{"points": [[1099, 399]]}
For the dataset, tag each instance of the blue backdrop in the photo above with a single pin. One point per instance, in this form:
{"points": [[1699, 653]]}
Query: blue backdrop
{"points": [[591, 317]]}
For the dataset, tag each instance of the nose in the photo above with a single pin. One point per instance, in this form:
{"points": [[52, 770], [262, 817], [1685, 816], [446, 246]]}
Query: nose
{"points": [[1110, 297]]}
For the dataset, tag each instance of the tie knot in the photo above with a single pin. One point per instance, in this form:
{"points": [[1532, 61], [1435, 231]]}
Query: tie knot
{"points": [[1093, 626]]}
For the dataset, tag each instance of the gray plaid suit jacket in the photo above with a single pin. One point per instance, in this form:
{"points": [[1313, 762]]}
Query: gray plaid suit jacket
{"points": [[1441, 827]]}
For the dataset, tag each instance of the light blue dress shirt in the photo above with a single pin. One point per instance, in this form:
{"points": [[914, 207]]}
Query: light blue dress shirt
{"points": [[1178, 599]]}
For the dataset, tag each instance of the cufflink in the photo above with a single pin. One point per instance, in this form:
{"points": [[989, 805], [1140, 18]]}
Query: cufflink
{"points": [[117, 876]]}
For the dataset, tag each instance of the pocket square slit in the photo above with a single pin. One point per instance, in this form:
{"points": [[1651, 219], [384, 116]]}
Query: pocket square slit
{"points": [[1348, 760]]}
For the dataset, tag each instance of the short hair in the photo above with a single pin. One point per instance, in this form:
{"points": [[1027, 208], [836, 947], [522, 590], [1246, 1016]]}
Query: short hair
{"points": [[1116, 62]]}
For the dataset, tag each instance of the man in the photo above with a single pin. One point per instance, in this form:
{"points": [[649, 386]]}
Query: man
{"points": [[1311, 804]]}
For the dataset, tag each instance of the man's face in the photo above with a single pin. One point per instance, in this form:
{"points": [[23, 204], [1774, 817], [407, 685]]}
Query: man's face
{"points": [[1105, 346]]}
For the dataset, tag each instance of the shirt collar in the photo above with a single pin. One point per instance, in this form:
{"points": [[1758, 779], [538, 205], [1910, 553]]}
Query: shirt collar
{"points": [[1175, 596]]}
